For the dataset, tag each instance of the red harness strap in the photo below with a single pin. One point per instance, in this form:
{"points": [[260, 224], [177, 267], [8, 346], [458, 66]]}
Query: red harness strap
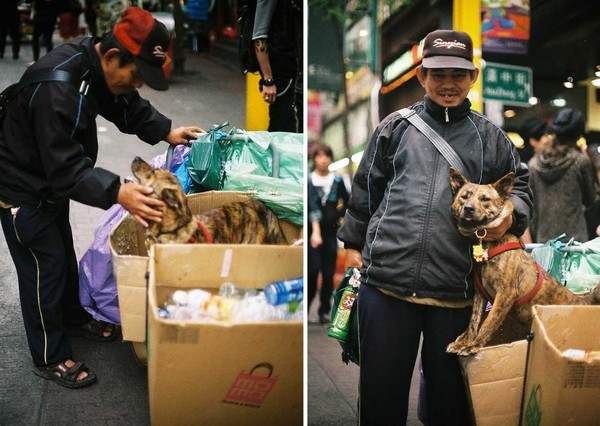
{"points": [[500, 249], [207, 237]]}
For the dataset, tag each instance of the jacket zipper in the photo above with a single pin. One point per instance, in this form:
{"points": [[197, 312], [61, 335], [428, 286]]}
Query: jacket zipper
{"points": [[423, 245], [446, 114]]}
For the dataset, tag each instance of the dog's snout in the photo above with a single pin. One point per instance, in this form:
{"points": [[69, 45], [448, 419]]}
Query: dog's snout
{"points": [[469, 209]]}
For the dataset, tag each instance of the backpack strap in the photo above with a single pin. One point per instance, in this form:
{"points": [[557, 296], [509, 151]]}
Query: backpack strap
{"points": [[40, 76], [439, 142]]}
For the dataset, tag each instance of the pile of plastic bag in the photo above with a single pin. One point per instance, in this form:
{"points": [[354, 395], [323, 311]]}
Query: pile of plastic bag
{"points": [[575, 265], [267, 165]]}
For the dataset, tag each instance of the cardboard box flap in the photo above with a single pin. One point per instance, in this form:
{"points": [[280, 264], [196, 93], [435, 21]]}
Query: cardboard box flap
{"points": [[562, 333], [560, 390], [247, 266], [494, 376], [496, 363]]}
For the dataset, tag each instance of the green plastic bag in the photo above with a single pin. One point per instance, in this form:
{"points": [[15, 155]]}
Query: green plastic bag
{"points": [[267, 165], [283, 196], [205, 162], [582, 267], [284, 153], [550, 259]]}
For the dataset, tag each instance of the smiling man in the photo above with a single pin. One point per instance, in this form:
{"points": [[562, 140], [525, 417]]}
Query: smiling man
{"points": [[416, 268], [48, 148]]}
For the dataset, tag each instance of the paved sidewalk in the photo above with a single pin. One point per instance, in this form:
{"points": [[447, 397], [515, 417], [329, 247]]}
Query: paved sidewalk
{"points": [[212, 91]]}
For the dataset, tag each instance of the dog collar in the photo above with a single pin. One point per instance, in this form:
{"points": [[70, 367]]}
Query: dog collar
{"points": [[207, 237], [515, 245], [500, 249]]}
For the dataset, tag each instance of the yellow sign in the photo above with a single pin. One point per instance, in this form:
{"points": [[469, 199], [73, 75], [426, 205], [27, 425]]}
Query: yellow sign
{"points": [[467, 17]]}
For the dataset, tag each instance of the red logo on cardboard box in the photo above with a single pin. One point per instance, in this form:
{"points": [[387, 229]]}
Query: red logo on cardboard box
{"points": [[251, 388]]}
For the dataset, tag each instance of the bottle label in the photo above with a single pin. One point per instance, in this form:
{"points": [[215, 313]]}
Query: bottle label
{"points": [[285, 291], [341, 322]]}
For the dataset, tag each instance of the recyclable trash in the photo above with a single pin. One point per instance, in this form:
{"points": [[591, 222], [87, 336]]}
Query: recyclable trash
{"points": [[287, 291], [232, 304]]}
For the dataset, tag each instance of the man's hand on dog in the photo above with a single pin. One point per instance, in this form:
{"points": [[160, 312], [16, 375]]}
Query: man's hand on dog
{"points": [[499, 231], [136, 200], [183, 135]]}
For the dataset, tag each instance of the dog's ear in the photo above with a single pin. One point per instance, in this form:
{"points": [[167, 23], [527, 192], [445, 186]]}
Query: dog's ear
{"points": [[457, 180], [175, 200], [169, 196], [505, 184]]}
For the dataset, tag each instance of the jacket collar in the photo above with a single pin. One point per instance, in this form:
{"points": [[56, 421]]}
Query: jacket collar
{"points": [[454, 113], [97, 75]]}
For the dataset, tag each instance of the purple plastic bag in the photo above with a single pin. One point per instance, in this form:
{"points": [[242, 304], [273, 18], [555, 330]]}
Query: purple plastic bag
{"points": [[97, 285]]}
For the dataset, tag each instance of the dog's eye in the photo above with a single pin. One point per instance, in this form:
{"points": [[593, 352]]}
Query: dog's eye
{"points": [[485, 199]]}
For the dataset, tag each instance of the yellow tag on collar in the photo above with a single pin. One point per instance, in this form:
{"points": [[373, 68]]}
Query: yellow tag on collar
{"points": [[479, 253]]}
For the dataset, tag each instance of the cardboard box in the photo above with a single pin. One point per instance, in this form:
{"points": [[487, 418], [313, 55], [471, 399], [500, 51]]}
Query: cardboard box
{"points": [[563, 388], [494, 377], [223, 373], [130, 262]]}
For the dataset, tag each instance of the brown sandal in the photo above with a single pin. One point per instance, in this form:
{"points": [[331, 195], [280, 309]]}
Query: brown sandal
{"points": [[95, 330], [66, 376]]}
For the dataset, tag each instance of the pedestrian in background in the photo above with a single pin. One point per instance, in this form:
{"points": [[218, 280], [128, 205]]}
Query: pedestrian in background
{"points": [[327, 201], [90, 14], [45, 15], [68, 25], [9, 25], [534, 133], [48, 147], [416, 267], [562, 181], [277, 31], [198, 18]]}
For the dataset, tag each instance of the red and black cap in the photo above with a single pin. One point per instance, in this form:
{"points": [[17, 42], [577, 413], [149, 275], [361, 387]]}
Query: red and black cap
{"points": [[148, 41], [448, 49]]}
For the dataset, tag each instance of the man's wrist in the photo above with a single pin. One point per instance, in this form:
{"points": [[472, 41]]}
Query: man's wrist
{"points": [[267, 82]]}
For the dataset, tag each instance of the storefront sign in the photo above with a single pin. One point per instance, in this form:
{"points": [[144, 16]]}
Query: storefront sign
{"points": [[403, 63], [508, 84]]}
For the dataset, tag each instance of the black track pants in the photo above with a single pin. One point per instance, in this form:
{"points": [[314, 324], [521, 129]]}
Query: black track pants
{"points": [[41, 245], [390, 332]]}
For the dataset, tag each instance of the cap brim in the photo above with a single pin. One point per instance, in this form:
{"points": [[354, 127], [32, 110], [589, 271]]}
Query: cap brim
{"points": [[152, 75], [447, 62]]}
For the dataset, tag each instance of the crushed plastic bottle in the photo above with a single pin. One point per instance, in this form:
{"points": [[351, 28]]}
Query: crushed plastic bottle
{"points": [[234, 304]]}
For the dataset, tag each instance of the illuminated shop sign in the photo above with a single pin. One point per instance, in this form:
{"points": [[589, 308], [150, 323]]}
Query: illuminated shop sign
{"points": [[403, 63]]}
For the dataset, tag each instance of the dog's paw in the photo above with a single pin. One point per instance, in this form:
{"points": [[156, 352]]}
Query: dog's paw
{"points": [[454, 347], [468, 350]]}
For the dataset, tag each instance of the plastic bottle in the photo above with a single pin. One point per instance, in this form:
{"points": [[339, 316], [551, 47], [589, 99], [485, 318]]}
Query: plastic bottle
{"points": [[340, 325], [286, 291]]}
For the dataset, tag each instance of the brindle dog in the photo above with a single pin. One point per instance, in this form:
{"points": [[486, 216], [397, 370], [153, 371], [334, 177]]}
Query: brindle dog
{"points": [[509, 277], [247, 222]]}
